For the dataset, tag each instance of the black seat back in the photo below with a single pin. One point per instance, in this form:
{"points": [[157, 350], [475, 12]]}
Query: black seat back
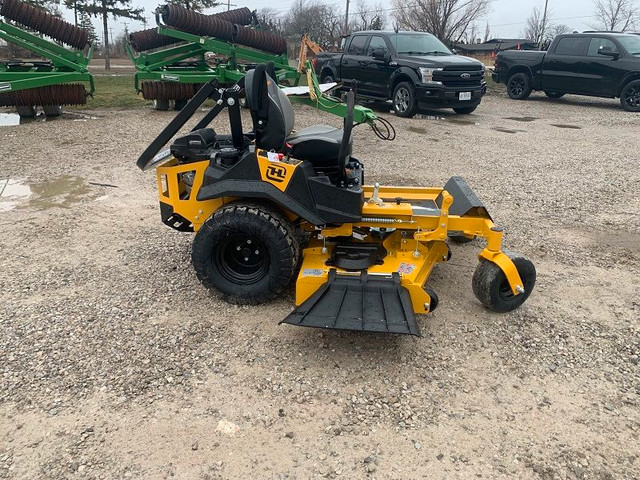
{"points": [[345, 147], [271, 110]]}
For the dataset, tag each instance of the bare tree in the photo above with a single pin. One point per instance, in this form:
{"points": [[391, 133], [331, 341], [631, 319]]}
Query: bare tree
{"points": [[446, 19], [487, 33], [269, 19], [533, 31], [368, 17], [471, 34], [318, 20], [615, 15], [557, 29]]}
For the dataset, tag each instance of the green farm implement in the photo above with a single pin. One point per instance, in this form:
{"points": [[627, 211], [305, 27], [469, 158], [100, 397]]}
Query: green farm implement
{"points": [[189, 49], [58, 79]]}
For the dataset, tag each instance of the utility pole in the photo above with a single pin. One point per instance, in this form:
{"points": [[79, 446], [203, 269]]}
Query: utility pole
{"points": [[346, 19], [544, 24]]}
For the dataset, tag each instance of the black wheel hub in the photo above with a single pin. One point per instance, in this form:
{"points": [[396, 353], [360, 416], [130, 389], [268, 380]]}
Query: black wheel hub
{"points": [[505, 291], [402, 99], [242, 259], [516, 87], [632, 97]]}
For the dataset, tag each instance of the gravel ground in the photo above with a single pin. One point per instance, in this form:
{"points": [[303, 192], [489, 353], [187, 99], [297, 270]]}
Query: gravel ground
{"points": [[115, 362]]}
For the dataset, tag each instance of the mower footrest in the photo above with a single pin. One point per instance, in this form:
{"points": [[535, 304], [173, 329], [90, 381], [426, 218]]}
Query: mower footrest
{"points": [[364, 303]]}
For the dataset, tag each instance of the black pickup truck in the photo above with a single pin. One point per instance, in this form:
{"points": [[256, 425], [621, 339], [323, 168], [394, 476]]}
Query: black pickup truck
{"points": [[599, 64], [413, 69]]}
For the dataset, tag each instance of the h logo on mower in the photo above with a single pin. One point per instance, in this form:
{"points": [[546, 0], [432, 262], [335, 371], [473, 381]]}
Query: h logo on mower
{"points": [[276, 173]]}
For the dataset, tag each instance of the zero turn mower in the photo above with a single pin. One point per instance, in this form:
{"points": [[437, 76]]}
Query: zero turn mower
{"points": [[268, 205]]}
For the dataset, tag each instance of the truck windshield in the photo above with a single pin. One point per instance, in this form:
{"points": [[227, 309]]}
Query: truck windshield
{"points": [[631, 43], [418, 44]]}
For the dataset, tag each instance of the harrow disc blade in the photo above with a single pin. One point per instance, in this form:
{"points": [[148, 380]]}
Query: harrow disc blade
{"points": [[241, 16], [196, 23], [258, 39], [149, 39], [169, 90], [44, 22], [66, 94]]}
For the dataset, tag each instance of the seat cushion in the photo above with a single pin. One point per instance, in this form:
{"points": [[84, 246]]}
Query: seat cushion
{"points": [[318, 144]]}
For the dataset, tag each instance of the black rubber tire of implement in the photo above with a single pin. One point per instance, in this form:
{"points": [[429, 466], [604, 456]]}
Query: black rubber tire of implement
{"points": [[519, 86], [217, 265], [412, 106], [491, 287], [162, 105], [554, 95], [465, 110], [630, 96]]}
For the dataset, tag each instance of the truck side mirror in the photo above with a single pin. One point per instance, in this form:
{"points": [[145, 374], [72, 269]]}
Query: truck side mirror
{"points": [[380, 55], [608, 52]]}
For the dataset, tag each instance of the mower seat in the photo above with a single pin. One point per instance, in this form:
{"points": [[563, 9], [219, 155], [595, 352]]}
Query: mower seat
{"points": [[273, 121], [318, 144]]}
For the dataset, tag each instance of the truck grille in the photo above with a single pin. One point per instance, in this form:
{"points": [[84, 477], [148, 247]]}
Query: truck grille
{"points": [[460, 78]]}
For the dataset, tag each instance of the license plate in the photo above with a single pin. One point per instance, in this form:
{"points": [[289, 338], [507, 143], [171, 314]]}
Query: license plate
{"points": [[465, 95]]}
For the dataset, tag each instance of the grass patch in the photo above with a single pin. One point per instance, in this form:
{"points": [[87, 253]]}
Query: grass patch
{"points": [[115, 91]]}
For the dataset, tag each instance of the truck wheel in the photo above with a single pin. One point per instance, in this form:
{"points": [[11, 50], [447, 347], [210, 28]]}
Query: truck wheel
{"points": [[328, 78], [553, 94], [491, 287], [465, 110], [246, 253], [404, 100], [519, 86], [630, 96]]}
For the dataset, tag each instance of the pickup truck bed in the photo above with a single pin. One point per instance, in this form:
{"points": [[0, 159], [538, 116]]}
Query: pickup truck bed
{"points": [[594, 64]]}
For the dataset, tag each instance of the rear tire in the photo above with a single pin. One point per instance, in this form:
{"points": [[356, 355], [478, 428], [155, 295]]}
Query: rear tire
{"points": [[246, 253], [519, 86], [465, 110], [491, 287], [404, 100], [554, 94], [630, 96]]}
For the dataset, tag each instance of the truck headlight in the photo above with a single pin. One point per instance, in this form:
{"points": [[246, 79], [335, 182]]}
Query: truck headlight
{"points": [[427, 75]]}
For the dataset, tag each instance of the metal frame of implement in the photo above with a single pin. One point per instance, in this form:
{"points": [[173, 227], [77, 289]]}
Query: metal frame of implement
{"points": [[66, 65]]}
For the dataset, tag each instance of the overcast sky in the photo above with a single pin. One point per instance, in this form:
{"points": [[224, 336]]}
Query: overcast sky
{"points": [[506, 18]]}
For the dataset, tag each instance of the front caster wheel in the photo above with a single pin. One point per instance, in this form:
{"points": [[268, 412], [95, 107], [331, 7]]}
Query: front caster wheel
{"points": [[246, 253], [491, 287], [434, 298]]}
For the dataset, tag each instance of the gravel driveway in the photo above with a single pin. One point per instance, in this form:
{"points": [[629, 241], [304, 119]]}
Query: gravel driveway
{"points": [[116, 363]]}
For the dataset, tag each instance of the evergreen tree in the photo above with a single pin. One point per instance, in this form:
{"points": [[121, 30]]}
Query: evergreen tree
{"points": [[86, 24], [195, 5], [114, 9], [76, 6]]}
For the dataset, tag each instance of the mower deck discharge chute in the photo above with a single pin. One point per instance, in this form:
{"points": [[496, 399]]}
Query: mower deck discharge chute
{"points": [[269, 205]]}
